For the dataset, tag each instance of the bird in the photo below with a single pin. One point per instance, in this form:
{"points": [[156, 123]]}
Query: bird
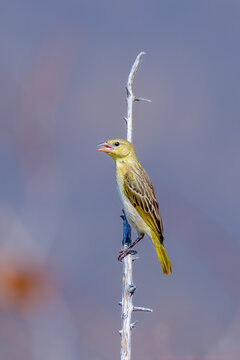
{"points": [[138, 198]]}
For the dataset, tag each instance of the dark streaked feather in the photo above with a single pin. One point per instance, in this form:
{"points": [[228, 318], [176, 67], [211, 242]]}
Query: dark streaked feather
{"points": [[139, 190]]}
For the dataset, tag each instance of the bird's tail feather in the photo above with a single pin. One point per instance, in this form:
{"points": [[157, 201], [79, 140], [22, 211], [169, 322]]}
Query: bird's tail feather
{"points": [[162, 255]]}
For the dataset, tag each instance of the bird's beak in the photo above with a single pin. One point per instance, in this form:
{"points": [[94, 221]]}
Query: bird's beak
{"points": [[105, 147]]}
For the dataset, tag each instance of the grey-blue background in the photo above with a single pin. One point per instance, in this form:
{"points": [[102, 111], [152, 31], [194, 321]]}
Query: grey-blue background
{"points": [[63, 69]]}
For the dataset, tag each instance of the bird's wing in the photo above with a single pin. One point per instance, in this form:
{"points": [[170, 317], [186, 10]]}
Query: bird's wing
{"points": [[139, 190]]}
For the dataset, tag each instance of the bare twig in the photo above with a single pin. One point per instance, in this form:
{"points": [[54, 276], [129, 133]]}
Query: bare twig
{"points": [[128, 288], [130, 96]]}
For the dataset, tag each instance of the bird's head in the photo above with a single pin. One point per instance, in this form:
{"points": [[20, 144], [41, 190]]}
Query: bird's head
{"points": [[117, 148]]}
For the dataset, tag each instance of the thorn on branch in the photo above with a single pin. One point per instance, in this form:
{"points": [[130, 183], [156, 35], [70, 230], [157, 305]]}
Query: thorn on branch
{"points": [[132, 289], [125, 118], [135, 257], [124, 316], [140, 308], [132, 326], [142, 99]]}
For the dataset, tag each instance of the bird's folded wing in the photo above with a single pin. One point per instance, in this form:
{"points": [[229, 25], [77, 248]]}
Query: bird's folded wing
{"points": [[139, 190]]}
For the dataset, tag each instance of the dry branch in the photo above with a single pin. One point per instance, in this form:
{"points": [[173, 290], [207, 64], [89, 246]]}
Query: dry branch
{"points": [[128, 288]]}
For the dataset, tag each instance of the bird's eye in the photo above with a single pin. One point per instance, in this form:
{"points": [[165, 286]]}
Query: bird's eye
{"points": [[116, 143]]}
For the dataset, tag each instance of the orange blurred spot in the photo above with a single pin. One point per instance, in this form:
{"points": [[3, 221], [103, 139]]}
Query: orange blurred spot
{"points": [[25, 285]]}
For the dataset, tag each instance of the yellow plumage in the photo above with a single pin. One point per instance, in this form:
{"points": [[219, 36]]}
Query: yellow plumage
{"points": [[162, 255], [138, 197]]}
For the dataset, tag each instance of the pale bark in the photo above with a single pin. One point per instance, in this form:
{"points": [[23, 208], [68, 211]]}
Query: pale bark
{"points": [[128, 288]]}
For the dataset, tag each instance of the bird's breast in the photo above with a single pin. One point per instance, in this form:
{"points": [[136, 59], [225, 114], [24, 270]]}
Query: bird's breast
{"points": [[131, 213]]}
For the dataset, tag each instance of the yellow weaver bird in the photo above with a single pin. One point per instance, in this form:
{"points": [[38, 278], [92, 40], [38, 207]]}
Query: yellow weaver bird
{"points": [[138, 198]]}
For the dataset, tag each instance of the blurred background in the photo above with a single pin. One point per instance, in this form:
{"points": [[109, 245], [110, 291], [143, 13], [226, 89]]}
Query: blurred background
{"points": [[63, 69]]}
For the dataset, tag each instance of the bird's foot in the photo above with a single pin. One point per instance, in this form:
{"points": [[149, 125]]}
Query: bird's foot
{"points": [[125, 252]]}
